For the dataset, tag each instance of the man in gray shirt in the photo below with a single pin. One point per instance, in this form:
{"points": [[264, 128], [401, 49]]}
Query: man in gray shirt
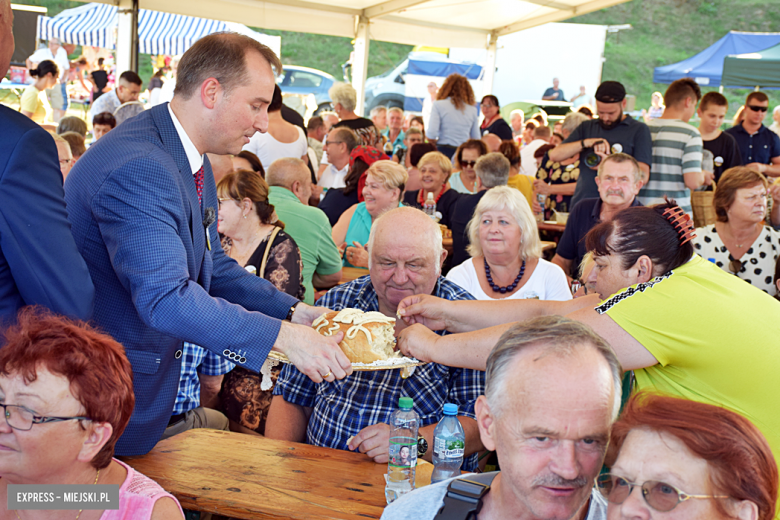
{"points": [[552, 392]]}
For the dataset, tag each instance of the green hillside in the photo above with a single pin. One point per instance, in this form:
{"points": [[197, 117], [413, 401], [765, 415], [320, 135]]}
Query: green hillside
{"points": [[664, 32]]}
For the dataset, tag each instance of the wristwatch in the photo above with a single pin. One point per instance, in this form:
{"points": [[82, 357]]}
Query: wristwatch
{"points": [[292, 311], [422, 446]]}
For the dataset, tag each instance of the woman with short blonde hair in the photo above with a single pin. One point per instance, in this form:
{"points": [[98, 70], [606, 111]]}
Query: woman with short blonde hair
{"points": [[344, 99], [506, 253], [385, 182], [435, 169]]}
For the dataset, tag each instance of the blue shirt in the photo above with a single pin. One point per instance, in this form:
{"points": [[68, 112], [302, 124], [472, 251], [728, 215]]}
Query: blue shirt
{"points": [[450, 126], [585, 215], [196, 360], [552, 92], [760, 147], [343, 408], [398, 144]]}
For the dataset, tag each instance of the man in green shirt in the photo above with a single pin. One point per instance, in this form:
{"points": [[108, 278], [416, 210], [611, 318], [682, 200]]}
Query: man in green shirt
{"points": [[290, 188]]}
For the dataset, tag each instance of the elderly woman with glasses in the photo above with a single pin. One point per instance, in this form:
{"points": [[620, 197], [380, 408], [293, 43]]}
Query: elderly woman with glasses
{"points": [[688, 460], [67, 393], [506, 253], [740, 242]]}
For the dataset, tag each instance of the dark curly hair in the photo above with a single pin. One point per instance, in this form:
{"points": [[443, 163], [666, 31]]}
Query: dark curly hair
{"points": [[458, 89]]}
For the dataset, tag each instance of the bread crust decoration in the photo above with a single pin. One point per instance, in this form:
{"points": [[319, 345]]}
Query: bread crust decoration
{"points": [[368, 336]]}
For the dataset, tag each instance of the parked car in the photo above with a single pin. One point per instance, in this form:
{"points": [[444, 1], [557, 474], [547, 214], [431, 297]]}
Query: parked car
{"points": [[303, 81]]}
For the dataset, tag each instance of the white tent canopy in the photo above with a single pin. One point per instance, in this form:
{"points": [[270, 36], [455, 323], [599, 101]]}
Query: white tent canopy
{"points": [[439, 23]]}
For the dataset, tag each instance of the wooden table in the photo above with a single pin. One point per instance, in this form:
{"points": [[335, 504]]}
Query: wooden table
{"points": [[352, 273], [551, 227], [250, 477]]}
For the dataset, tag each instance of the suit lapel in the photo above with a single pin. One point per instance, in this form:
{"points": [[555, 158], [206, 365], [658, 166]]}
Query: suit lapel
{"points": [[172, 144]]}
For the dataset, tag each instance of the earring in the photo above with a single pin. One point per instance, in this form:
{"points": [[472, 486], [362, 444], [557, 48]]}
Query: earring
{"points": [[244, 216]]}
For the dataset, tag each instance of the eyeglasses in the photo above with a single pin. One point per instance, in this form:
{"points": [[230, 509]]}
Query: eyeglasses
{"points": [[220, 201], [22, 418], [468, 164], [735, 266], [757, 109], [333, 142], [660, 496]]}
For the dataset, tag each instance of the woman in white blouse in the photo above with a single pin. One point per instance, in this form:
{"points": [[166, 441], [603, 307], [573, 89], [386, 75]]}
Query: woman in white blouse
{"points": [[506, 253], [740, 242], [282, 139]]}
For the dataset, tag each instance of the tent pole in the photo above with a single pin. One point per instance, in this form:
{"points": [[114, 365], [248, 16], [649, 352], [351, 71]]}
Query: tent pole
{"points": [[490, 65], [720, 89], [360, 62], [127, 36]]}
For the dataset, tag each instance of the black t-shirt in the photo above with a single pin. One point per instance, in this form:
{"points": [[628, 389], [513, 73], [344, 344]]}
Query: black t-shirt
{"points": [[335, 203], [460, 214], [443, 205], [499, 127], [726, 152]]}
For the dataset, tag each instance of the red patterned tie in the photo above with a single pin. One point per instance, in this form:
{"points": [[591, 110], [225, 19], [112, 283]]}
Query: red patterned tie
{"points": [[199, 184]]}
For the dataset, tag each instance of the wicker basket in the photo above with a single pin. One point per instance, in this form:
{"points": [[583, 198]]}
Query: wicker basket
{"points": [[703, 210]]}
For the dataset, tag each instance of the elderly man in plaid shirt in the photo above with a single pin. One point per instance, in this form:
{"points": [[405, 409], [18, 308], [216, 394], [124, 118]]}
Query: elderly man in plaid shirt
{"points": [[406, 254], [201, 379]]}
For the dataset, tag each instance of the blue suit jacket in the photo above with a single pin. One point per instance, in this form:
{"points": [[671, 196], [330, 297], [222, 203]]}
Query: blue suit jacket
{"points": [[137, 222], [39, 262]]}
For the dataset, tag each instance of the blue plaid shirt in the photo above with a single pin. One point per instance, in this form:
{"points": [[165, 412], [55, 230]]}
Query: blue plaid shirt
{"points": [[195, 360], [343, 408]]}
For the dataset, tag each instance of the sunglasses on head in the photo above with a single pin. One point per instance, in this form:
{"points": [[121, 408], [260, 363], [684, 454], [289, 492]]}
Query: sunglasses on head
{"points": [[660, 496], [757, 109], [468, 164], [735, 266]]}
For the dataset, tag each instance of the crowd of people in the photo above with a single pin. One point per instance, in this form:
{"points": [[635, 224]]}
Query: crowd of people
{"points": [[145, 279]]}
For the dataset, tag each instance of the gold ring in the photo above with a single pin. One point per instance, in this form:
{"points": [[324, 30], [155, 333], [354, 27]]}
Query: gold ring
{"points": [[326, 376]]}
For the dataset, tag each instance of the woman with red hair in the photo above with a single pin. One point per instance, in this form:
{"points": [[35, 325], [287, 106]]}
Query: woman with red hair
{"points": [[689, 460], [67, 394]]}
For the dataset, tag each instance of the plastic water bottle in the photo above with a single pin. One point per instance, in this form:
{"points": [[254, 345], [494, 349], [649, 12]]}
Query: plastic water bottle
{"points": [[429, 207], [541, 198], [449, 441], [402, 462]]}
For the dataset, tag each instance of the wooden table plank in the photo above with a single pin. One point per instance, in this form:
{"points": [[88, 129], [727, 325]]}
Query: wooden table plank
{"points": [[249, 477]]}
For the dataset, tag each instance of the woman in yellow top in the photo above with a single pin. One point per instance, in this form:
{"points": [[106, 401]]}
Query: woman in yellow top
{"points": [[34, 103], [685, 327]]}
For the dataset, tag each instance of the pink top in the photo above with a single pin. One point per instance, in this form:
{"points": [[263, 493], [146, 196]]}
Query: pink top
{"points": [[137, 497]]}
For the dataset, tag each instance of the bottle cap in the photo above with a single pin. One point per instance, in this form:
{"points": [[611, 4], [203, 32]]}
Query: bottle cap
{"points": [[405, 402], [430, 197], [450, 409]]}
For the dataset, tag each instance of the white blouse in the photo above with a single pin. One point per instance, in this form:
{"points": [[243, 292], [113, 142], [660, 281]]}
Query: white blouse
{"points": [[758, 264], [547, 282]]}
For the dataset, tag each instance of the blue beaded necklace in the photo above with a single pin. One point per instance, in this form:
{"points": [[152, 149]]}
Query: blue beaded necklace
{"points": [[508, 288]]}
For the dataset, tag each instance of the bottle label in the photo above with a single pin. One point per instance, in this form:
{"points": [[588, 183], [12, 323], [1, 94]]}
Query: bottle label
{"points": [[448, 448], [402, 453]]}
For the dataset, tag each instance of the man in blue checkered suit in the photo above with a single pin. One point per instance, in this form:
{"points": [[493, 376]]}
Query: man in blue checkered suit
{"points": [[142, 205]]}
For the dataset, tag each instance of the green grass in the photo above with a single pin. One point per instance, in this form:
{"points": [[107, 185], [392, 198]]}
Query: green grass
{"points": [[668, 31]]}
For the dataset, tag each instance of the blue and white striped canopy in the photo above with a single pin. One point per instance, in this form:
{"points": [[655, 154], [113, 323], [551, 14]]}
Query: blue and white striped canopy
{"points": [[158, 33]]}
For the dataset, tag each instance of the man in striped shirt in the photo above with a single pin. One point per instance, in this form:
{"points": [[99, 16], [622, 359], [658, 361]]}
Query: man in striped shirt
{"points": [[677, 149]]}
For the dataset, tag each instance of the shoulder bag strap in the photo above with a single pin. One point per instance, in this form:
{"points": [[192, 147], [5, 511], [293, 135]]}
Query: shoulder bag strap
{"points": [[261, 272], [464, 496]]}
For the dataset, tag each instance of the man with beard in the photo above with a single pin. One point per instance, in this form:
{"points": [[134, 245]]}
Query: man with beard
{"points": [[552, 391], [619, 180], [612, 132]]}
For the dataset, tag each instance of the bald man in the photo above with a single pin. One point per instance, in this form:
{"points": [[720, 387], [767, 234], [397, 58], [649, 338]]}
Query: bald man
{"points": [[290, 188], [406, 256], [492, 141]]}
